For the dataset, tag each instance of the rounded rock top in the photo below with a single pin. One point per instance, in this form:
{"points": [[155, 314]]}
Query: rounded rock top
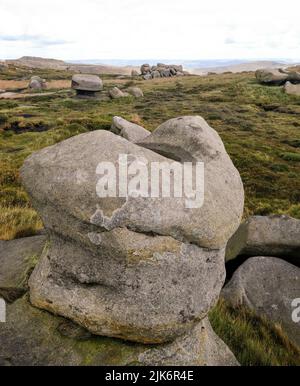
{"points": [[87, 82]]}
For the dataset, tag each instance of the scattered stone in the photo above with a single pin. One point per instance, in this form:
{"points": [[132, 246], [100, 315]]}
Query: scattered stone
{"points": [[292, 89], [116, 93], [87, 86], [135, 91], [269, 286], [37, 83], [277, 236], [271, 76], [17, 260], [128, 130]]}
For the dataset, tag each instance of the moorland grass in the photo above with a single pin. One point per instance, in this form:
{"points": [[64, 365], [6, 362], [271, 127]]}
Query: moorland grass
{"points": [[254, 340], [258, 124]]}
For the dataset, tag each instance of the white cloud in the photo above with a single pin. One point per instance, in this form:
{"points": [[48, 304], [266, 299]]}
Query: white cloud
{"points": [[135, 29]]}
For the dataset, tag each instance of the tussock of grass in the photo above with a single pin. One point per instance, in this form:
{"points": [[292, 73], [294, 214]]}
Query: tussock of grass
{"points": [[254, 340], [18, 222]]}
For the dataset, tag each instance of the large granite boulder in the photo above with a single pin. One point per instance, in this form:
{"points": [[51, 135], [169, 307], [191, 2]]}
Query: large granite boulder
{"points": [[137, 267], [269, 286], [17, 260], [128, 130], [292, 89], [275, 235], [87, 86], [271, 76], [87, 82]]}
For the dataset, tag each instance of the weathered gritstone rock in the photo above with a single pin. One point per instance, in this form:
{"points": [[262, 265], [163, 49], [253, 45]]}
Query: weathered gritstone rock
{"points": [[136, 92], [137, 268], [110, 288], [37, 83], [275, 235], [191, 139], [75, 179], [116, 93], [271, 76], [277, 76], [268, 286], [87, 85], [292, 89], [130, 131], [31, 337]]}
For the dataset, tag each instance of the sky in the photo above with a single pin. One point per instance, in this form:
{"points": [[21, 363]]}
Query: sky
{"points": [[135, 29]]}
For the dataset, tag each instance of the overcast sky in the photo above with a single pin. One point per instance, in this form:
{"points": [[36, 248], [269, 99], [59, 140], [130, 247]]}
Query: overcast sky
{"points": [[136, 29]]}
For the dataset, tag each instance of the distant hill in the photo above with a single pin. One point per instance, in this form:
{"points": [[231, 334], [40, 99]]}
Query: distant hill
{"points": [[124, 67], [247, 66], [54, 64]]}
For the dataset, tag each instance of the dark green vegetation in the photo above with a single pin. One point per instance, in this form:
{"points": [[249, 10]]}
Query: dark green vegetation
{"points": [[254, 340]]}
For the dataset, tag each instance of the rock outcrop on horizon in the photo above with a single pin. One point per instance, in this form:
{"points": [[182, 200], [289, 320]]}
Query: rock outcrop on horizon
{"points": [[161, 71], [138, 268]]}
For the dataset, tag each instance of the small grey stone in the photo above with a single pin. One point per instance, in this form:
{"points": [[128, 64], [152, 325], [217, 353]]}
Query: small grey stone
{"points": [[136, 92], [128, 130]]}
